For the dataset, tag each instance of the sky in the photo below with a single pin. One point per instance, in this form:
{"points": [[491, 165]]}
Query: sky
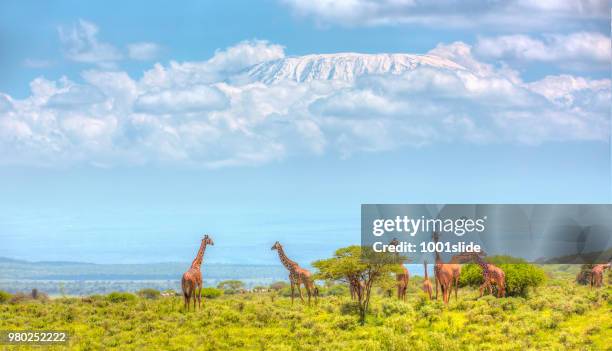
{"points": [[127, 134]]}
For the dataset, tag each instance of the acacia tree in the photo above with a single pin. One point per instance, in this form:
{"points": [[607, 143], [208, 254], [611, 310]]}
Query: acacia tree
{"points": [[355, 262]]}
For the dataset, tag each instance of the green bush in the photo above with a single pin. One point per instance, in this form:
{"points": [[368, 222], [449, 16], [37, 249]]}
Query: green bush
{"points": [[120, 297], [150, 294], [19, 297], [211, 293], [335, 290], [4, 296], [520, 276], [390, 307], [231, 286]]}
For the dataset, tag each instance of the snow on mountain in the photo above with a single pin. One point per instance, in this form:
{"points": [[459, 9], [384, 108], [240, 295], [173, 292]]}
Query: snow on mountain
{"points": [[342, 66]]}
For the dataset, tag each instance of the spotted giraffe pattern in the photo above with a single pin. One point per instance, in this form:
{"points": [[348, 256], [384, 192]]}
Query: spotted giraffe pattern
{"points": [[491, 275], [297, 275], [191, 282]]}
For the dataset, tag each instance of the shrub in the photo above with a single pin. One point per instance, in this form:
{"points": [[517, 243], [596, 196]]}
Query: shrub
{"points": [[277, 286], [120, 297], [348, 308], [37, 295], [520, 276], [4, 296], [150, 294], [335, 290], [211, 293], [231, 286], [391, 307], [19, 297]]}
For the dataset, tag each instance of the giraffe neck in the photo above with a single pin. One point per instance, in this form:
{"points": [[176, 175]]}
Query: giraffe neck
{"points": [[438, 258], [290, 265], [197, 261], [483, 265]]}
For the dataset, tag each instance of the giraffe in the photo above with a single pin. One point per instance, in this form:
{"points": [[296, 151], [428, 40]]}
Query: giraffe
{"points": [[445, 274], [597, 274], [401, 278], [297, 275], [191, 282], [491, 274], [426, 283]]}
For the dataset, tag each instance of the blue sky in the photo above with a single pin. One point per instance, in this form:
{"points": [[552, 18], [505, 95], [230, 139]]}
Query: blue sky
{"points": [[124, 134]]}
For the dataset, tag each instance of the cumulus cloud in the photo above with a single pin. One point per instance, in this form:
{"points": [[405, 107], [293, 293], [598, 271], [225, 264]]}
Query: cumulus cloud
{"points": [[209, 114], [80, 43], [524, 13], [143, 51], [581, 48]]}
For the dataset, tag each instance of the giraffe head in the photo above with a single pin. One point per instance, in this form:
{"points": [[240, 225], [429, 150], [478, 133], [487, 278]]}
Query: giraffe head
{"points": [[394, 242], [276, 246], [207, 240]]}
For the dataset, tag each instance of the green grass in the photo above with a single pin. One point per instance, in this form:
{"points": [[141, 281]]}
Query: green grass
{"points": [[558, 316]]}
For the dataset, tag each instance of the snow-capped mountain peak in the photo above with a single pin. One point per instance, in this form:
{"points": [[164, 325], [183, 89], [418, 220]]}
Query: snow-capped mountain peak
{"points": [[342, 66]]}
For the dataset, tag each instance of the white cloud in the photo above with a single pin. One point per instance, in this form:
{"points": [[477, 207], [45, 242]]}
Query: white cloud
{"points": [[81, 44], [222, 65], [196, 98], [452, 13], [581, 48], [199, 113], [143, 51]]}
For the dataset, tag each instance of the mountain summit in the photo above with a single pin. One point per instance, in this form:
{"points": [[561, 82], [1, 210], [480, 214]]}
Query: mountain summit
{"points": [[342, 66]]}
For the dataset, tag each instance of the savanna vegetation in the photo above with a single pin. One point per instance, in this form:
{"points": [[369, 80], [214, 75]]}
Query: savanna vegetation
{"points": [[546, 310]]}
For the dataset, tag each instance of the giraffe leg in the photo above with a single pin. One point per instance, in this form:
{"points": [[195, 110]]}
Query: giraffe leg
{"points": [[446, 294], [300, 291], [292, 291], [481, 289], [307, 286], [436, 279], [200, 296], [193, 295], [443, 290], [456, 287]]}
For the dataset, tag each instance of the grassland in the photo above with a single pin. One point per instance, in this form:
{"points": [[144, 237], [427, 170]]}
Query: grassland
{"points": [[558, 316]]}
